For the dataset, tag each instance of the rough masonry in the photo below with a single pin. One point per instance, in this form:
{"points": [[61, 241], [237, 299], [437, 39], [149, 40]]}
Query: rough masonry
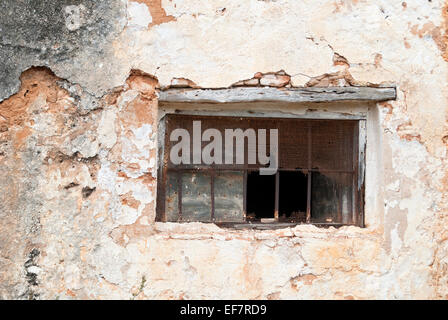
{"points": [[79, 84]]}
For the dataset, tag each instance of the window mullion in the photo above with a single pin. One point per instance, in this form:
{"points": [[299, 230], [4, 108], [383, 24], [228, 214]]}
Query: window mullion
{"points": [[212, 194], [308, 189], [245, 195]]}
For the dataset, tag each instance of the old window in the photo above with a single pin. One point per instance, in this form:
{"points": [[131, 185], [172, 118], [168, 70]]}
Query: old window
{"points": [[318, 176]]}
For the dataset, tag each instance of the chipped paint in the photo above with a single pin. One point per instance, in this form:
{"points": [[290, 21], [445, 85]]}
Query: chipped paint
{"points": [[79, 154]]}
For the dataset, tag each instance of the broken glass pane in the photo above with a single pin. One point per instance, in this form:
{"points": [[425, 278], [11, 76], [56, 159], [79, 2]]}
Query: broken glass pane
{"points": [[196, 196]]}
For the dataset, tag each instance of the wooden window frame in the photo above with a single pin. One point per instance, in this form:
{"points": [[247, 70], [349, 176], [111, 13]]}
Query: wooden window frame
{"points": [[358, 172], [193, 97]]}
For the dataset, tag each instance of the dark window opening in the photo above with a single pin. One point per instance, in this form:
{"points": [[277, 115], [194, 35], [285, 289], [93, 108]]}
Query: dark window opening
{"points": [[292, 196], [260, 196]]}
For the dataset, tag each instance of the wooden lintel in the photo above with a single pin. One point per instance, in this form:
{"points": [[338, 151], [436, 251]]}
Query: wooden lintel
{"points": [[267, 94]]}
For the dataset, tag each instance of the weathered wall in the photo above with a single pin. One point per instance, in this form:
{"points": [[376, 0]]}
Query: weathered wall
{"points": [[78, 144]]}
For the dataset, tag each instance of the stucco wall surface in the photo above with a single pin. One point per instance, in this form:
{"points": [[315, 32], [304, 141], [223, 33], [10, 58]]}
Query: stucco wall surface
{"points": [[78, 147]]}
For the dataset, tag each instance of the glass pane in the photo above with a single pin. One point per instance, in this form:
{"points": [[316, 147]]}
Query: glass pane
{"points": [[196, 196], [331, 197], [171, 199], [229, 196]]}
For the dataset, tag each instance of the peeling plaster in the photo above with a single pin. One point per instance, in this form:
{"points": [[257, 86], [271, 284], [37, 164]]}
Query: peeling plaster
{"points": [[78, 148]]}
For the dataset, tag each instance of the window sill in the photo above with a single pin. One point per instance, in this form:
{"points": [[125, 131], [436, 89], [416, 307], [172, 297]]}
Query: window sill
{"points": [[293, 231]]}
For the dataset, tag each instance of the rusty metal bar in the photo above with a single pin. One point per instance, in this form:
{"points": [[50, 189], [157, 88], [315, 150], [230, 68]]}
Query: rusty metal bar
{"points": [[212, 195], [316, 170], [339, 192], [161, 194], [245, 195], [179, 193], [308, 199], [308, 189], [256, 169]]}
